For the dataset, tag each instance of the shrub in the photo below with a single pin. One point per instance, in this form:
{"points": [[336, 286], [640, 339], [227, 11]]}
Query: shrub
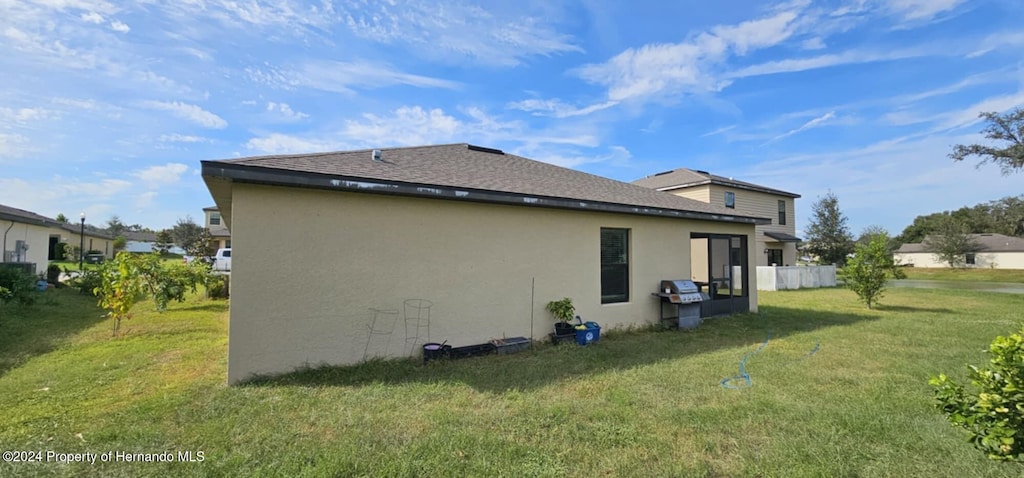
{"points": [[994, 415], [21, 286], [218, 287], [87, 282]]}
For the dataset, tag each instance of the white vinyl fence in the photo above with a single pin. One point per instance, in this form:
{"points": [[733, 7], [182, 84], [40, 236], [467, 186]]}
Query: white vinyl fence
{"points": [[795, 277]]}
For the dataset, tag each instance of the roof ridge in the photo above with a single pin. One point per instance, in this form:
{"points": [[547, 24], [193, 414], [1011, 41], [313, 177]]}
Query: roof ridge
{"points": [[341, 151]]}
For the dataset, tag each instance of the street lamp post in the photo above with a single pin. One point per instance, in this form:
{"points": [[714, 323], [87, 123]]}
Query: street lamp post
{"points": [[81, 242]]}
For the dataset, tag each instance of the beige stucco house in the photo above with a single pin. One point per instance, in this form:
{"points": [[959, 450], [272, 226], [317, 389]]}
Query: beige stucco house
{"points": [[994, 251], [776, 241], [340, 257], [32, 238], [218, 231]]}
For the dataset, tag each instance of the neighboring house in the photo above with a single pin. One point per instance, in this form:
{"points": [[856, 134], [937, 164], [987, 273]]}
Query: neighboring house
{"points": [[145, 242], [776, 242], [350, 255], [995, 251], [214, 224], [32, 238]]}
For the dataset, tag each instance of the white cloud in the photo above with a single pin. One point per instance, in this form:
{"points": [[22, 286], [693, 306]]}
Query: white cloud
{"points": [[118, 26], [24, 115], [815, 43], [188, 112], [169, 173], [502, 35], [12, 145], [277, 143], [814, 123], [285, 112], [574, 158], [920, 10], [1012, 39], [180, 138], [92, 17], [823, 61], [339, 76], [557, 108], [690, 66]]}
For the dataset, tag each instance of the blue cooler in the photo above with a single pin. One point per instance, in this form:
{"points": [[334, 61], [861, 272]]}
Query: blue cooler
{"points": [[591, 334]]}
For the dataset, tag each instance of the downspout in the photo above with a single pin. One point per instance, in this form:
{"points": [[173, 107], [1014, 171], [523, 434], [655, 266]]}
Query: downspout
{"points": [[5, 241]]}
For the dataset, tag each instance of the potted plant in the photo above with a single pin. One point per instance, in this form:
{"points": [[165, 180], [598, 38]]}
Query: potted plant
{"points": [[564, 311]]}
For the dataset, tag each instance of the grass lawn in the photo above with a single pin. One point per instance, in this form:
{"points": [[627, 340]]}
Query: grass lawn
{"points": [[973, 275], [634, 404]]}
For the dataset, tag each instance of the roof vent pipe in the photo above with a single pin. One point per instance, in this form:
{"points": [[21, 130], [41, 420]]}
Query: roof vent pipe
{"points": [[377, 155]]}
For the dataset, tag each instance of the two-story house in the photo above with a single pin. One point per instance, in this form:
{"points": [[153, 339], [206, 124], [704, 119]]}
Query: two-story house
{"points": [[214, 224], [776, 242]]}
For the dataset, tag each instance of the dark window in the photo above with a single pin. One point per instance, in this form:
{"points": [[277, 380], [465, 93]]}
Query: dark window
{"points": [[214, 218], [775, 257], [614, 265], [730, 200], [970, 258], [782, 213]]}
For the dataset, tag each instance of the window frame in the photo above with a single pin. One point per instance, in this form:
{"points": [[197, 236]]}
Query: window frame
{"points": [[617, 271], [214, 216], [782, 212], [970, 259], [730, 195]]}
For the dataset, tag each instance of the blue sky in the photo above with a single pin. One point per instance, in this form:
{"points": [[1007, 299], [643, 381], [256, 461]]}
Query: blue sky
{"points": [[108, 106]]}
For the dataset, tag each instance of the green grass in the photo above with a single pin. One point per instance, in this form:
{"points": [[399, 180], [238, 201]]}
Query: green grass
{"points": [[73, 265], [972, 275], [635, 404]]}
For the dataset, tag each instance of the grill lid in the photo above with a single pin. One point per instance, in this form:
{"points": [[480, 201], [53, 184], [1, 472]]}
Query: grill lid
{"points": [[682, 286]]}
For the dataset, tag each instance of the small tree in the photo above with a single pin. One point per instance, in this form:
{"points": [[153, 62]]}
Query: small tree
{"points": [[951, 243], [1008, 129], [120, 288], [870, 267], [994, 415], [828, 237], [164, 241], [120, 242], [61, 218]]}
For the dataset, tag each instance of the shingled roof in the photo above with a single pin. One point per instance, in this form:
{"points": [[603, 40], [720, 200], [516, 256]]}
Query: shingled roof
{"points": [[8, 213], [456, 172], [684, 178], [985, 242]]}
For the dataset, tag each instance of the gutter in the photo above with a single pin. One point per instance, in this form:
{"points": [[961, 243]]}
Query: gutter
{"points": [[272, 177], [4, 251]]}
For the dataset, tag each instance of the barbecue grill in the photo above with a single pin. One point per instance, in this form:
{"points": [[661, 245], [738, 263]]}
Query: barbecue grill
{"points": [[687, 297]]}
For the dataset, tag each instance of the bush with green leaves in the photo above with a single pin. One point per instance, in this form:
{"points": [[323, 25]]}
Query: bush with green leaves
{"points": [[993, 412], [217, 287], [130, 278], [870, 267], [87, 282], [21, 286]]}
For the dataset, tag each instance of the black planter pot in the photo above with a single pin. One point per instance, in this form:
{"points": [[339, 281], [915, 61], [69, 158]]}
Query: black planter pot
{"points": [[564, 328]]}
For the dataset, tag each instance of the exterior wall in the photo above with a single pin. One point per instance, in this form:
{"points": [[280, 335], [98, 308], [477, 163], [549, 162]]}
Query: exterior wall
{"points": [[754, 204], [303, 290], [995, 260], [106, 246], [36, 237], [697, 193]]}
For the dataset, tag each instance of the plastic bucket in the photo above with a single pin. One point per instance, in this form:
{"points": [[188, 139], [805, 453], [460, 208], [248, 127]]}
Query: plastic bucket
{"points": [[432, 351]]}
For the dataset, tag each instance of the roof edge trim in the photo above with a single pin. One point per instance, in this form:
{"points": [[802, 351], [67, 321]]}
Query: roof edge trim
{"points": [[302, 179]]}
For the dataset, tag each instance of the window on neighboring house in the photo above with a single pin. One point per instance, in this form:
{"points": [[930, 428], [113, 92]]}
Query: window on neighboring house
{"points": [[775, 257], [782, 213], [730, 199], [970, 258], [614, 265], [227, 243], [214, 218]]}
